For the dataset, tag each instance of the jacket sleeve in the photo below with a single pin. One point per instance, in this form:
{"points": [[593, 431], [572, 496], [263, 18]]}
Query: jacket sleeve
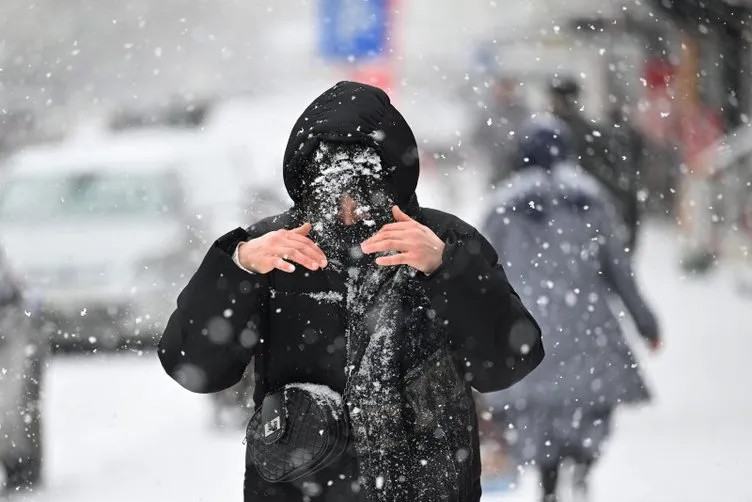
{"points": [[616, 268], [496, 338], [220, 316]]}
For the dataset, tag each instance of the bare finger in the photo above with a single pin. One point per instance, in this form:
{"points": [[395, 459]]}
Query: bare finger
{"points": [[298, 256], [306, 247], [303, 229], [295, 240], [284, 266], [402, 225], [399, 215], [385, 245], [394, 259], [300, 238], [310, 252], [388, 234]]}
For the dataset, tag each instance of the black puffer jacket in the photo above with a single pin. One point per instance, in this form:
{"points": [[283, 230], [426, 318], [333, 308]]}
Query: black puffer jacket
{"points": [[225, 315]]}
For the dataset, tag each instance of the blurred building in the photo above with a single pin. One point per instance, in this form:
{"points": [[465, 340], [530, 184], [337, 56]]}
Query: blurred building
{"points": [[62, 62]]}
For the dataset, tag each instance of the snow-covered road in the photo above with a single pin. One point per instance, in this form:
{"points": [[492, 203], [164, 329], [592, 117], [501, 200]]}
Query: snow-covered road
{"points": [[118, 429]]}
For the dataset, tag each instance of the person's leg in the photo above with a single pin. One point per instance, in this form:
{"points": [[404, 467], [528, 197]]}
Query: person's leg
{"points": [[548, 448], [549, 474], [580, 481], [597, 423]]}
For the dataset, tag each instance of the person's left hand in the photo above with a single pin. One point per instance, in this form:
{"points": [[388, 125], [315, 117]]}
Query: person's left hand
{"points": [[416, 245]]}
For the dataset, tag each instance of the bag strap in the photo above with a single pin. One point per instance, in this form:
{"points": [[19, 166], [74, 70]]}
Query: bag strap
{"points": [[259, 370]]}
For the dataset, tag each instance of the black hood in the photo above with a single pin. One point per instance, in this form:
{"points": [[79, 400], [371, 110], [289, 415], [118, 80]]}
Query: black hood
{"points": [[353, 113]]}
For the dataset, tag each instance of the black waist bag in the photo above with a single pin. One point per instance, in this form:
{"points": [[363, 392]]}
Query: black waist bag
{"points": [[299, 430]]}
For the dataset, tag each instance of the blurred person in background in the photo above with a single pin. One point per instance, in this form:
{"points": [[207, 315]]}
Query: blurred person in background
{"points": [[593, 150], [553, 228], [627, 152], [365, 299], [498, 123], [698, 211], [656, 115], [22, 357]]}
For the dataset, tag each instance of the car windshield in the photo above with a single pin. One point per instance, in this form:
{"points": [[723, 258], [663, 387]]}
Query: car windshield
{"points": [[86, 195]]}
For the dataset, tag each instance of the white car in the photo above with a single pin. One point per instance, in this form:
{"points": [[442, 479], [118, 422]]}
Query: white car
{"points": [[105, 232]]}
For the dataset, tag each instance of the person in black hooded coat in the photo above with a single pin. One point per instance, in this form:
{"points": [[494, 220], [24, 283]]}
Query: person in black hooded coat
{"points": [[399, 317]]}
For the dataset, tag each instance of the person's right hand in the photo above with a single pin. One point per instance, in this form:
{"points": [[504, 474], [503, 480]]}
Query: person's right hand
{"points": [[277, 249]]}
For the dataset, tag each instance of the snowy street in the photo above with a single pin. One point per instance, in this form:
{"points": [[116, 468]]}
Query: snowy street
{"points": [[146, 147], [118, 429]]}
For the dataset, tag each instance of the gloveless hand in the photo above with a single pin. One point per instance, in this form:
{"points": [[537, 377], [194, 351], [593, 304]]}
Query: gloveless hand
{"points": [[277, 249], [416, 245]]}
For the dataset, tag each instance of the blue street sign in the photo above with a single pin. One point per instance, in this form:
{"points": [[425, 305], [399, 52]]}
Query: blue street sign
{"points": [[353, 29]]}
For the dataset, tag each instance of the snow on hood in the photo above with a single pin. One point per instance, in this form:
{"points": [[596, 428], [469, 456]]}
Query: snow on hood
{"points": [[533, 190], [351, 112]]}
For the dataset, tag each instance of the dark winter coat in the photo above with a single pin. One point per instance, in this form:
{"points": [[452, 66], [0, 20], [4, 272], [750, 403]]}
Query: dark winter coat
{"points": [[626, 151], [554, 232], [601, 154], [226, 316]]}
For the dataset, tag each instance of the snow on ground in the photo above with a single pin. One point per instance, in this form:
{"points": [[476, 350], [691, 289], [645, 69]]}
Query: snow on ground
{"points": [[118, 429]]}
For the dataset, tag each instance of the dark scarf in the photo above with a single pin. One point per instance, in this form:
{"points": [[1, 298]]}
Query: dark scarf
{"points": [[375, 389], [388, 334]]}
